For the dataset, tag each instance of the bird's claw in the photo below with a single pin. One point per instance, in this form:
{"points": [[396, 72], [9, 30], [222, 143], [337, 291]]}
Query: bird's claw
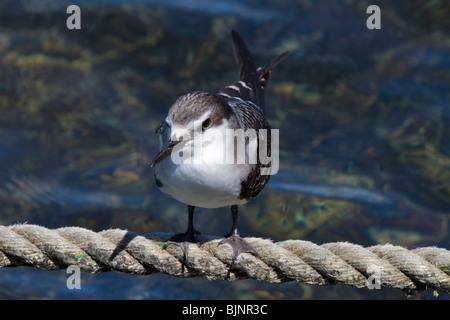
{"points": [[183, 240], [239, 246]]}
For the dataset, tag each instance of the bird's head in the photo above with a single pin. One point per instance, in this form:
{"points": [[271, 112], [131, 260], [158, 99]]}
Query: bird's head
{"points": [[191, 117]]}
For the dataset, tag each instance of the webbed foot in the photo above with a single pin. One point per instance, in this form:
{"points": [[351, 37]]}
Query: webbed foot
{"points": [[239, 246], [183, 240]]}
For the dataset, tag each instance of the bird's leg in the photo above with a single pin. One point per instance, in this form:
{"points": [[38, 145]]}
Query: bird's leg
{"points": [[233, 238], [189, 235], [183, 239]]}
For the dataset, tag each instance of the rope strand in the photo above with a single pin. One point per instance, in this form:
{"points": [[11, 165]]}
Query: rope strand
{"points": [[290, 260]]}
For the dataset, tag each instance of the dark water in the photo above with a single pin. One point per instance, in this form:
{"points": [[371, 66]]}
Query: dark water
{"points": [[364, 119]]}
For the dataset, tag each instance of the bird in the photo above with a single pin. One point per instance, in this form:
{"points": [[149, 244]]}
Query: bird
{"points": [[190, 165]]}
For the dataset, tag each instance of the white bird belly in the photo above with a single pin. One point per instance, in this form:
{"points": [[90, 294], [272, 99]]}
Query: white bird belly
{"points": [[204, 179], [206, 186]]}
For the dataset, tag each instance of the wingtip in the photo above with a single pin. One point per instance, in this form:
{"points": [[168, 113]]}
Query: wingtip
{"points": [[247, 68], [284, 54], [238, 41]]}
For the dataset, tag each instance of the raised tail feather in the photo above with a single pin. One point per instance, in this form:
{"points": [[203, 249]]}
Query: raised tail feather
{"points": [[264, 72], [253, 82]]}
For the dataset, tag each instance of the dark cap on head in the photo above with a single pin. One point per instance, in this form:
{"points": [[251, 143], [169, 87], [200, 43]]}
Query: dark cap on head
{"points": [[193, 105]]}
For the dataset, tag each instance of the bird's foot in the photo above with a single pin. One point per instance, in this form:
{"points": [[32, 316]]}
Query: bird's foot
{"points": [[239, 246], [183, 240]]}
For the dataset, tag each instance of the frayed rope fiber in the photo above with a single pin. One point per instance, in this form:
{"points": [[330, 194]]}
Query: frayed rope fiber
{"points": [[290, 260]]}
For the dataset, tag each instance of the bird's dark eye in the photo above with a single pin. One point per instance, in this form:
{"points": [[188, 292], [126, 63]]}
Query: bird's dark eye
{"points": [[206, 123]]}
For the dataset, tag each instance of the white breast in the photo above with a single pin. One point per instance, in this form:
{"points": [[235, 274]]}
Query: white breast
{"points": [[201, 176]]}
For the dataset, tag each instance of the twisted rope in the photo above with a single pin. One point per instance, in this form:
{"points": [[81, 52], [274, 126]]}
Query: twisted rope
{"points": [[291, 260]]}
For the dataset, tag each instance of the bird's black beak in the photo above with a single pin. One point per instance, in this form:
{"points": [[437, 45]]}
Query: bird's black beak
{"points": [[165, 151]]}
